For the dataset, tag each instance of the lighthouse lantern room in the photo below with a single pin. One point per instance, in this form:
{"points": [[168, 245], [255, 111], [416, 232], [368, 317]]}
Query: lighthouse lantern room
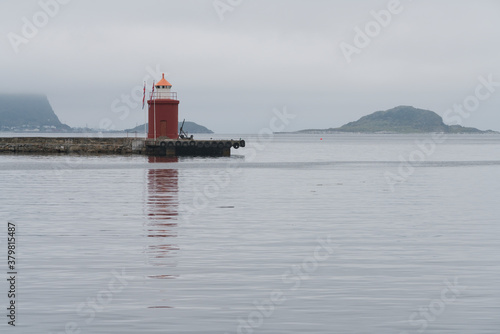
{"points": [[163, 112]]}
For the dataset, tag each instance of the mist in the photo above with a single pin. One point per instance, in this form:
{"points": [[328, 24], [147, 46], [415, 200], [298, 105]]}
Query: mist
{"points": [[327, 62]]}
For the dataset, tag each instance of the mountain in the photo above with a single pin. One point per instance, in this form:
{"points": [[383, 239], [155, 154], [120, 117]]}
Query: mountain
{"points": [[28, 112], [189, 127], [402, 119]]}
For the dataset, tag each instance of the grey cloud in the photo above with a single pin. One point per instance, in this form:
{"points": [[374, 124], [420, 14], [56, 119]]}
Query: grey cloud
{"points": [[230, 74]]}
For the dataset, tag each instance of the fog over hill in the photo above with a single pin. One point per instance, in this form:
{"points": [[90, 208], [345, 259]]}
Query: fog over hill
{"points": [[28, 112]]}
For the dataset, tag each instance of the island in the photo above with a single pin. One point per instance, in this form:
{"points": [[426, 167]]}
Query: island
{"points": [[189, 127], [29, 113], [402, 119]]}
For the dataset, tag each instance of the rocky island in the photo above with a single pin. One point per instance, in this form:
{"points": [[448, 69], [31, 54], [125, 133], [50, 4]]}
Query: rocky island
{"points": [[402, 119]]}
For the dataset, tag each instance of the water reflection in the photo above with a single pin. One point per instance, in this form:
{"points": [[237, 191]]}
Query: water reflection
{"points": [[162, 213], [161, 226]]}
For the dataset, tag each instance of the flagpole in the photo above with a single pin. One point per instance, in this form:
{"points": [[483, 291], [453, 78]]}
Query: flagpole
{"points": [[154, 107], [145, 114], [154, 110]]}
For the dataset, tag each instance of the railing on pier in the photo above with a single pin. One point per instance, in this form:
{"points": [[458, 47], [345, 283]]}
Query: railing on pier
{"points": [[163, 96]]}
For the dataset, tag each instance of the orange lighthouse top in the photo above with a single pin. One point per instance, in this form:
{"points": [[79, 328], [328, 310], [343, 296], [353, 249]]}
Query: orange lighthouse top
{"points": [[163, 83]]}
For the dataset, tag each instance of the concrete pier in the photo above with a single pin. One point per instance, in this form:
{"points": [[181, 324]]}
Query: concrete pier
{"points": [[119, 146]]}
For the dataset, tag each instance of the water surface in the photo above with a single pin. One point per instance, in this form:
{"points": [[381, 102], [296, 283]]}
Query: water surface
{"points": [[298, 234]]}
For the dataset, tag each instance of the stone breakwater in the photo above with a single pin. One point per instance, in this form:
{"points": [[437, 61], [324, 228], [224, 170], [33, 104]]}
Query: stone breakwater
{"points": [[120, 146], [47, 145]]}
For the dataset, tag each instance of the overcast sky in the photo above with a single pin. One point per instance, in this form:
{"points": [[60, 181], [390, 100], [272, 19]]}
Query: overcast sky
{"points": [[233, 61]]}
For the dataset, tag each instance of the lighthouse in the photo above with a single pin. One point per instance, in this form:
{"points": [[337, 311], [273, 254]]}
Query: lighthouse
{"points": [[163, 112]]}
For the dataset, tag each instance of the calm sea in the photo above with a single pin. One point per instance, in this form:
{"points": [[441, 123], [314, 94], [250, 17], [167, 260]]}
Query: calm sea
{"points": [[292, 234]]}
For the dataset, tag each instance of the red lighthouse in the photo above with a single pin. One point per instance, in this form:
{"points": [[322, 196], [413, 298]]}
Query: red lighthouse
{"points": [[163, 118]]}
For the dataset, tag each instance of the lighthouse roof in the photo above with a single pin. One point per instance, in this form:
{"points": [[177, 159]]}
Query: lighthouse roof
{"points": [[163, 82]]}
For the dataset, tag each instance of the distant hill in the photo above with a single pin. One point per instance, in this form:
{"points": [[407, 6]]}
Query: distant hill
{"points": [[33, 113], [28, 112], [402, 119], [189, 127]]}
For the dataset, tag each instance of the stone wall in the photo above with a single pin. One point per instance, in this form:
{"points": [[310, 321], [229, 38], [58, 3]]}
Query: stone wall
{"points": [[46, 145]]}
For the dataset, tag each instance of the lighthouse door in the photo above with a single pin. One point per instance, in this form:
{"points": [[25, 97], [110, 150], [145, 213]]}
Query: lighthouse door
{"points": [[163, 128]]}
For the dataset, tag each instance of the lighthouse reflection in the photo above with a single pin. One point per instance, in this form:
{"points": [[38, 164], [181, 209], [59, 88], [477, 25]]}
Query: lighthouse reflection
{"points": [[162, 215]]}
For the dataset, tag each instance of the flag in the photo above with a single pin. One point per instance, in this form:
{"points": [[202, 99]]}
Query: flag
{"points": [[144, 96]]}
